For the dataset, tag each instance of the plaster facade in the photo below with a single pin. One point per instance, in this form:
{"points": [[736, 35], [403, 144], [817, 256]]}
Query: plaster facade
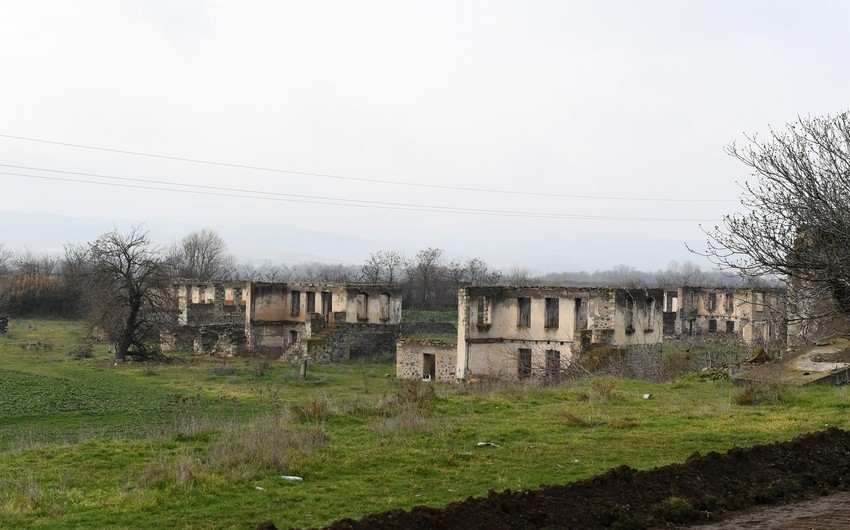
{"points": [[754, 315], [277, 319], [517, 332]]}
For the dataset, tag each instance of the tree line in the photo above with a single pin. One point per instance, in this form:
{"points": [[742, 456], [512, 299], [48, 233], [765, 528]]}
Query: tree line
{"points": [[58, 286], [795, 230], [120, 281]]}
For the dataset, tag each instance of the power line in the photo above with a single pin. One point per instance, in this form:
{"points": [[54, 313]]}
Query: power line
{"points": [[358, 179], [309, 199]]}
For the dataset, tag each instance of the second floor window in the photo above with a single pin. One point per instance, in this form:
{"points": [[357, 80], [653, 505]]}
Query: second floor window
{"points": [[523, 312], [552, 312]]}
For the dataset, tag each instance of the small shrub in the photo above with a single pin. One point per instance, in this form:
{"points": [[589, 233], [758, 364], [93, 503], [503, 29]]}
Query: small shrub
{"points": [[756, 394], [677, 364], [407, 421], [223, 370], [675, 510], [149, 370], [603, 389], [81, 351], [179, 470], [261, 367], [406, 394], [317, 410]]}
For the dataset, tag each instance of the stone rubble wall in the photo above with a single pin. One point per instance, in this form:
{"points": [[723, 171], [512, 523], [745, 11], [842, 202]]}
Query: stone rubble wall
{"points": [[410, 359]]}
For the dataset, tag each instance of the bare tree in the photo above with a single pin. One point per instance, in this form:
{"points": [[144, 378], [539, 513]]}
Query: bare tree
{"points": [[682, 274], [265, 272], [203, 255], [29, 264], [518, 276], [127, 290], [423, 272], [323, 272], [797, 221], [383, 266], [479, 273], [5, 260], [5, 270]]}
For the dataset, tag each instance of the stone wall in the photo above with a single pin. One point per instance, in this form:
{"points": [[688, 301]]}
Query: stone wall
{"points": [[213, 339], [343, 342], [199, 314], [272, 339], [411, 361], [372, 341]]}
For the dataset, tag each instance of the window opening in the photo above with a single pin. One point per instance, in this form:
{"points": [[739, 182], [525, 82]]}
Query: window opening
{"points": [[552, 312], [295, 303], [630, 314], [553, 363], [712, 302], [362, 306], [327, 303], [482, 317], [524, 362], [385, 306], [523, 312]]}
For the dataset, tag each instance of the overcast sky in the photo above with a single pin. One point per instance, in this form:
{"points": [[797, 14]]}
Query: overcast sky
{"points": [[607, 120]]}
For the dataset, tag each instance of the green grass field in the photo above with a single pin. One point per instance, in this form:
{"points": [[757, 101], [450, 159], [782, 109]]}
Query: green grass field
{"points": [[203, 443]]}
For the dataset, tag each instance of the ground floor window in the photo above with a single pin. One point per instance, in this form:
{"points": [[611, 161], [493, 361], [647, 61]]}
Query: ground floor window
{"points": [[553, 363], [524, 362]]}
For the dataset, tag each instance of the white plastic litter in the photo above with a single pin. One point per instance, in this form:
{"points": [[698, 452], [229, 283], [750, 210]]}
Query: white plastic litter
{"points": [[291, 477]]}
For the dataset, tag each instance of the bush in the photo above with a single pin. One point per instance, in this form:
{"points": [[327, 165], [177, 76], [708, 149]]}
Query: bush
{"points": [[261, 367], [317, 410], [756, 394], [603, 389], [81, 351]]}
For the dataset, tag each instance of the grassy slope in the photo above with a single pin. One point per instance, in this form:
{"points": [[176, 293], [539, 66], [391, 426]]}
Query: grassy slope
{"points": [[389, 444]]}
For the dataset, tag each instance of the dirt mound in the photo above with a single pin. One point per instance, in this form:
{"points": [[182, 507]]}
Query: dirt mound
{"points": [[701, 489]]}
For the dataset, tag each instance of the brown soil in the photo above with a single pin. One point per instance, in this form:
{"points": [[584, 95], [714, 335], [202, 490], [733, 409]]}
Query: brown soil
{"points": [[704, 488]]}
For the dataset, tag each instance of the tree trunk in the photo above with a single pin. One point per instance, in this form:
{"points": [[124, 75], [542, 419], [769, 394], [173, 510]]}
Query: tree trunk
{"points": [[129, 332]]}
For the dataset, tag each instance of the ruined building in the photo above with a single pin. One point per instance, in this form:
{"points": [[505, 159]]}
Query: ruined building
{"points": [[322, 322], [753, 315], [520, 332]]}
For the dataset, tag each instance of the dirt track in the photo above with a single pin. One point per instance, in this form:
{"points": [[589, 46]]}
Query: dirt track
{"points": [[703, 489], [831, 512]]}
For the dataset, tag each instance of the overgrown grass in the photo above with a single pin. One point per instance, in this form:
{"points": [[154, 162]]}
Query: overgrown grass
{"points": [[438, 337], [429, 316], [87, 444]]}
